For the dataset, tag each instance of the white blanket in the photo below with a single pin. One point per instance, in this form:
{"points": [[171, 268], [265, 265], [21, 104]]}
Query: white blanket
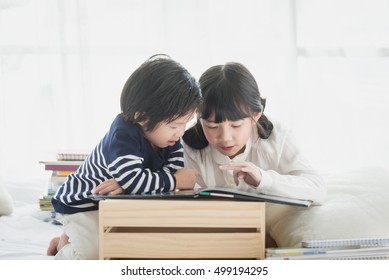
{"points": [[357, 206], [25, 234]]}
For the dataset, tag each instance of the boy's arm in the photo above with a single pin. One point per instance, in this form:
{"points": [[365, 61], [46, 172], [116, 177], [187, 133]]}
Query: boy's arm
{"points": [[125, 164], [131, 175], [175, 160], [109, 186], [193, 162], [185, 178]]}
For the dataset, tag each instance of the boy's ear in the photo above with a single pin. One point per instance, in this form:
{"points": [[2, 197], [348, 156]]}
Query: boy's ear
{"points": [[142, 123]]}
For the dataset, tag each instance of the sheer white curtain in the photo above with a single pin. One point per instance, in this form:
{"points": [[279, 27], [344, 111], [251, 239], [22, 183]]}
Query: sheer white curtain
{"points": [[343, 82], [321, 64]]}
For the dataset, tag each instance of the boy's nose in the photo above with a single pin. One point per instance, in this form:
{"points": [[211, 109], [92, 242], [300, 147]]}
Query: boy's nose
{"points": [[180, 132]]}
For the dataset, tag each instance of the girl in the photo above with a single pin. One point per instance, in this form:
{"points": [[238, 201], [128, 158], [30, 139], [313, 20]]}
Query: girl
{"points": [[234, 143], [141, 153]]}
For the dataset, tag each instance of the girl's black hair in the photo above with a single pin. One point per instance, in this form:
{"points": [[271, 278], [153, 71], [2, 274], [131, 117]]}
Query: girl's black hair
{"points": [[230, 92], [160, 90]]}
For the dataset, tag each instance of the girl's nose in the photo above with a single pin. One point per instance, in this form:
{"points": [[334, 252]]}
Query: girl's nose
{"points": [[225, 134]]}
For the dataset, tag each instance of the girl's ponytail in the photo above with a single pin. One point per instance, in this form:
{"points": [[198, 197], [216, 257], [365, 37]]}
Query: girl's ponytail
{"points": [[195, 138], [265, 126]]}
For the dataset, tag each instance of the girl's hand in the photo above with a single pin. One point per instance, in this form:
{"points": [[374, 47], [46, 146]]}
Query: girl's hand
{"points": [[110, 186], [246, 171]]}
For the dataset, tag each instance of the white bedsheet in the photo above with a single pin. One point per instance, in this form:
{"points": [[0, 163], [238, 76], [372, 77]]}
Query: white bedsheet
{"points": [[25, 235], [356, 207]]}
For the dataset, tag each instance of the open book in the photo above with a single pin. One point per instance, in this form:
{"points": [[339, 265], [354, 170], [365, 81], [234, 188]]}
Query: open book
{"points": [[227, 192], [246, 193]]}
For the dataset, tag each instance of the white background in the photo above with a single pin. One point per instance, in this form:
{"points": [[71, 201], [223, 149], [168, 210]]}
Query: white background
{"points": [[301, 270], [323, 66]]}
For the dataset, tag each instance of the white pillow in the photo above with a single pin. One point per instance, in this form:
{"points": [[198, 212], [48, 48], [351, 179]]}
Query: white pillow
{"points": [[6, 203], [357, 206]]}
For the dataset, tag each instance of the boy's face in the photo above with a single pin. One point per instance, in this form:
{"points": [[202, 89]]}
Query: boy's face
{"points": [[167, 134]]}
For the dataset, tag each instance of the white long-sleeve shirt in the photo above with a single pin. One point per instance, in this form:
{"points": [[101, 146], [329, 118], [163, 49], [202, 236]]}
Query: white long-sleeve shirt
{"points": [[285, 171]]}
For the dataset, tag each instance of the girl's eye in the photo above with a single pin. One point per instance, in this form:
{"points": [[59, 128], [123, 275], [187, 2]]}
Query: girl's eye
{"points": [[235, 125], [211, 127]]}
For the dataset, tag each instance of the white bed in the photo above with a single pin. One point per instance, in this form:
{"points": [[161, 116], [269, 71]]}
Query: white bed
{"points": [[357, 206], [25, 232]]}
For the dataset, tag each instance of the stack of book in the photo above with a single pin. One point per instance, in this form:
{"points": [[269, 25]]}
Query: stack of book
{"points": [[335, 249], [65, 165]]}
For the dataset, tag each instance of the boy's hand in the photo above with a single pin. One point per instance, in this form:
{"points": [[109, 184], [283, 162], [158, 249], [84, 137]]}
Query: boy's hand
{"points": [[110, 186], [185, 178]]}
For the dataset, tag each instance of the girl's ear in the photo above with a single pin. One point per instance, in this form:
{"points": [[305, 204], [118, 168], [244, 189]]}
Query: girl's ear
{"points": [[256, 117]]}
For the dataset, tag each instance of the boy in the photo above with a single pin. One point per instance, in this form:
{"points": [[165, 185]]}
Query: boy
{"points": [[141, 153]]}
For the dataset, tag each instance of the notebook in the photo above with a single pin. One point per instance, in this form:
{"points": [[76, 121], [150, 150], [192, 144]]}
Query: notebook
{"points": [[365, 242], [338, 254], [73, 155], [345, 252]]}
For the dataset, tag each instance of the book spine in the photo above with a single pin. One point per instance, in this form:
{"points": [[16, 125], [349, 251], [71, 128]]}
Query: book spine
{"points": [[288, 251], [55, 167]]}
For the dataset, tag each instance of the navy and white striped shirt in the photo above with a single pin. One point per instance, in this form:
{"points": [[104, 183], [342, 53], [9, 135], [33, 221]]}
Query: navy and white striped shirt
{"points": [[125, 155]]}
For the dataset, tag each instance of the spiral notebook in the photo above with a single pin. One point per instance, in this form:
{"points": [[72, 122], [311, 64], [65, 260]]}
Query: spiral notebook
{"points": [[365, 253], [363, 242], [334, 249], [72, 155]]}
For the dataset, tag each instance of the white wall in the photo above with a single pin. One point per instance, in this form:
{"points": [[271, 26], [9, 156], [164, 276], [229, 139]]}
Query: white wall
{"points": [[321, 64]]}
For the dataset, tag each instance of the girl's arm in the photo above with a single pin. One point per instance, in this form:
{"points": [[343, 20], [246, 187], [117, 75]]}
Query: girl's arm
{"points": [[287, 173], [292, 175]]}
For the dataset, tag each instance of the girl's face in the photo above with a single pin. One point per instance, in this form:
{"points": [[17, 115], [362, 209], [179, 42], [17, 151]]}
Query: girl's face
{"points": [[229, 137], [167, 134]]}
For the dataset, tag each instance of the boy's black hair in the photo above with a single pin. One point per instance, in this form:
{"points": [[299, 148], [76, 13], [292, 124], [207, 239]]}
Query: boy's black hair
{"points": [[230, 92], [160, 90]]}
